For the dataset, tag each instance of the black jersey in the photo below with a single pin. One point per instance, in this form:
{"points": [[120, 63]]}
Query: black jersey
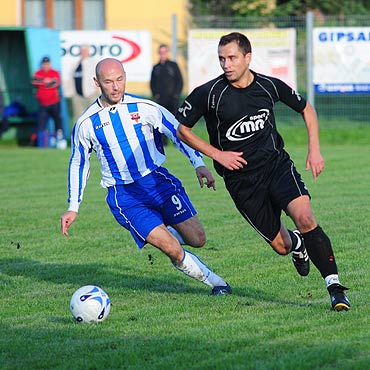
{"points": [[241, 119]]}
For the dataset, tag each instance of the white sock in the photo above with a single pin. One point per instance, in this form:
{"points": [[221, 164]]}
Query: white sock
{"points": [[332, 279], [175, 233], [192, 266]]}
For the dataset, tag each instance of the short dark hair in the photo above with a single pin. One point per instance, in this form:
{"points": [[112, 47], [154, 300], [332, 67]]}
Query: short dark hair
{"points": [[242, 41]]}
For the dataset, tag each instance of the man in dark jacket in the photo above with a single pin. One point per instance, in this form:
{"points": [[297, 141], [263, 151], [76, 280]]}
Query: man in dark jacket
{"points": [[166, 82]]}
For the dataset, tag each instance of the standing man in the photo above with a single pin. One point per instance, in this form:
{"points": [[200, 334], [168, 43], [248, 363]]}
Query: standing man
{"points": [[166, 83], [124, 131], [47, 82], [85, 91], [249, 154]]}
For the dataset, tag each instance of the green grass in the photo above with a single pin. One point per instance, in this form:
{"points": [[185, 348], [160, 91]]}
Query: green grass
{"points": [[161, 319]]}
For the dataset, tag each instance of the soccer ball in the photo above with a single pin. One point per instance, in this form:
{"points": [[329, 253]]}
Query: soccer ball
{"points": [[90, 304]]}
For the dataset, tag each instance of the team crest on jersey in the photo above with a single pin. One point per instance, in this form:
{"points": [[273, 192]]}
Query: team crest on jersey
{"points": [[135, 116], [247, 126]]}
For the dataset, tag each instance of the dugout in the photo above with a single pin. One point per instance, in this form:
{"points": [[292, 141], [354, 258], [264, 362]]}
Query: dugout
{"points": [[21, 51]]}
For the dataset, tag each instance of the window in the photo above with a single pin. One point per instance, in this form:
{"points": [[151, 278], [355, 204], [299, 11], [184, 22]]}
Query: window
{"points": [[35, 13], [65, 14], [93, 15]]}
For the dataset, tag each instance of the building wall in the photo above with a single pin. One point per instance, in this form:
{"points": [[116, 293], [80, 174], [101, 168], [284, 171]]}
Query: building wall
{"points": [[10, 13], [155, 16]]}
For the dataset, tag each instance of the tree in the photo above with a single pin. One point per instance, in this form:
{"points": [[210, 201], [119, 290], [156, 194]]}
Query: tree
{"points": [[232, 8], [326, 7]]}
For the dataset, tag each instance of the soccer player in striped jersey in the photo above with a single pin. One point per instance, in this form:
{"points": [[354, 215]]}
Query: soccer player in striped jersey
{"points": [[144, 197]]}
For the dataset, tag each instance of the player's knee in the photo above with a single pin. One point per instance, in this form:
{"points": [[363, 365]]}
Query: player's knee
{"points": [[306, 222], [196, 240]]}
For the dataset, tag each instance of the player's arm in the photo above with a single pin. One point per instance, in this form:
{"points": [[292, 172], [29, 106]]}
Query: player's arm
{"points": [[78, 173], [228, 159], [314, 160], [292, 98]]}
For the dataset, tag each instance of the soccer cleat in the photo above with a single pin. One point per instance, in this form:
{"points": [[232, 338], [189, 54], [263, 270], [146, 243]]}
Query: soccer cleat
{"points": [[221, 290], [300, 257], [339, 301]]}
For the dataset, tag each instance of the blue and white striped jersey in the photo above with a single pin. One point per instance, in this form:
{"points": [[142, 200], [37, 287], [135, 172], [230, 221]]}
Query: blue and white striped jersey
{"points": [[126, 138]]}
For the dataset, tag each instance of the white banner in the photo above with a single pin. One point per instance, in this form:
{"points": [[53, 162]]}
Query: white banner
{"points": [[341, 59], [273, 54], [132, 48]]}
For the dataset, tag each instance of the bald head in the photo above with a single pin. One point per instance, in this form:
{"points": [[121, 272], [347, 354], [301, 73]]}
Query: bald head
{"points": [[110, 77], [108, 64]]}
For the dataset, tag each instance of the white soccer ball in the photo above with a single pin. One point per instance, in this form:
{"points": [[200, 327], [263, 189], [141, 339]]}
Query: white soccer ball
{"points": [[90, 304]]}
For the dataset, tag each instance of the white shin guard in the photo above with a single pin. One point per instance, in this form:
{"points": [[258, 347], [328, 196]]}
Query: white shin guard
{"points": [[193, 266]]}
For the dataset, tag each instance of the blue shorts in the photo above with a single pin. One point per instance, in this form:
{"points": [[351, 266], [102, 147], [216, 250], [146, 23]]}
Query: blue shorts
{"points": [[158, 198]]}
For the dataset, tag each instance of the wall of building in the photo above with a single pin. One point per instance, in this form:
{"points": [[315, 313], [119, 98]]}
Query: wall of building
{"points": [[10, 13], [155, 16]]}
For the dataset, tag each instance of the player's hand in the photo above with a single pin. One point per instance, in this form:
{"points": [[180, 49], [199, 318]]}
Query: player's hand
{"points": [[204, 173], [316, 163], [67, 220], [231, 160]]}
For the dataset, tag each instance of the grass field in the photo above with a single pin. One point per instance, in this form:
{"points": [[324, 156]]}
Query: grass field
{"points": [[161, 319]]}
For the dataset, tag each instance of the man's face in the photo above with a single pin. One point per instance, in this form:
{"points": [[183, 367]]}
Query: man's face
{"points": [[233, 62], [112, 82], [163, 54], [46, 66]]}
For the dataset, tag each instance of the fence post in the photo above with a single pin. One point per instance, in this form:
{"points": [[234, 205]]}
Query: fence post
{"points": [[309, 61], [174, 37]]}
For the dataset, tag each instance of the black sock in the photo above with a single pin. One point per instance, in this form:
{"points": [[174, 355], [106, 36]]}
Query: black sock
{"points": [[320, 251]]}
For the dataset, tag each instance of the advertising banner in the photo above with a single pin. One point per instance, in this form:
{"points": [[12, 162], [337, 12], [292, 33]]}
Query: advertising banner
{"points": [[273, 54], [341, 60], [132, 48]]}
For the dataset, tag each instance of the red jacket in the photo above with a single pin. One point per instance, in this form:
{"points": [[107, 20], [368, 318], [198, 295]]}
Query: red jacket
{"points": [[47, 84]]}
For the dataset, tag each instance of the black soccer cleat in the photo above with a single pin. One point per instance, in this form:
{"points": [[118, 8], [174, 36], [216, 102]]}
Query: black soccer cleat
{"points": [[339, 300], [221, 290], [300, 257]]}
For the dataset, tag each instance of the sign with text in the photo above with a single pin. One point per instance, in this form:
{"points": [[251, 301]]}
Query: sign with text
{"points": [[273, 54], [341, 60], [132, 48]]}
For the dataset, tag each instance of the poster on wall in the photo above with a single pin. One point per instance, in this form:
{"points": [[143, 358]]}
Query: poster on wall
{"points": [[132, 48], [273, 54], [341, 60]]}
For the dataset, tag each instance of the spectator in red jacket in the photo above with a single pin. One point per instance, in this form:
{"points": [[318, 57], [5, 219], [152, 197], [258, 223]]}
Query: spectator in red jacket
{"points": [[47, 82]]}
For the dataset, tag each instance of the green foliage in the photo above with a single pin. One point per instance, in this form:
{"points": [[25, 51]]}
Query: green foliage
{"points": [[234, 8], [161, 319], [326, 7]]}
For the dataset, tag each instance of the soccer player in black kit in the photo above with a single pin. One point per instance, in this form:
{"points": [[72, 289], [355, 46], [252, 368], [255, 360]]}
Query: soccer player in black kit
{"points": [[248, 152]]}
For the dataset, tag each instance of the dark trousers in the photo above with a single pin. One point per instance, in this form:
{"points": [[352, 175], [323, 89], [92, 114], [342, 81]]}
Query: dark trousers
{"points": [[49, 111]]}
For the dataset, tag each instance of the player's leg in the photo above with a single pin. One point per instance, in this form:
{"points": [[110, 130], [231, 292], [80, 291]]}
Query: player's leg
{"points": [[185, 261], [191, 232], [178, 211], [252, 198], [319, 249], [130, 211]]}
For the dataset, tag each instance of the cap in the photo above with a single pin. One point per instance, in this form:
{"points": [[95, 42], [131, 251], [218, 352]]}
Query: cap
{"points": [[45, 59]]}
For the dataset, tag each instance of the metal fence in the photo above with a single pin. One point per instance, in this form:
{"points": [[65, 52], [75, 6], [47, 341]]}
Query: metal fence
{"points": [[333, 109]]}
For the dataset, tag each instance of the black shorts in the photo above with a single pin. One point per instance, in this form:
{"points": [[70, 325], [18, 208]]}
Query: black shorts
{"points": [[261, 195]]}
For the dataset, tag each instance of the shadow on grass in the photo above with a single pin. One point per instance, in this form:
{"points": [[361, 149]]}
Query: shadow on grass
{"points": [[108, 277]]}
